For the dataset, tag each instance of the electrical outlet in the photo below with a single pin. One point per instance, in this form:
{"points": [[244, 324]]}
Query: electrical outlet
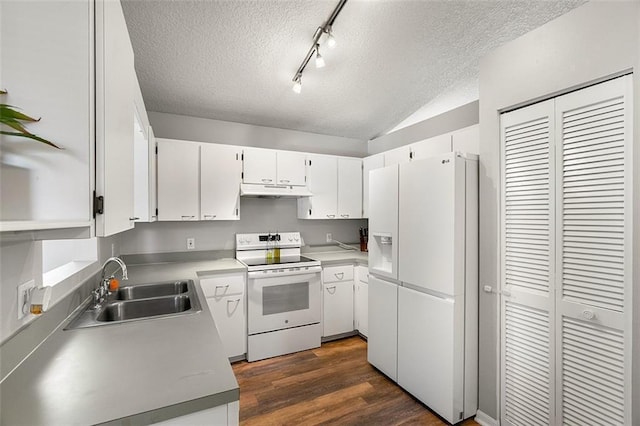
{"points": [[24, 296], [191, 243], [329, 239]]}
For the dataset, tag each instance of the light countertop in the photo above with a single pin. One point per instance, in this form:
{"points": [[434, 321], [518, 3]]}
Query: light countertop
{"points": [[139, 372]]}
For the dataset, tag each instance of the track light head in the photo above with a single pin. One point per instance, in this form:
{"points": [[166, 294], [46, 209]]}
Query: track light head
{"points": [[331, 40], [297, 84], [319, 59]]}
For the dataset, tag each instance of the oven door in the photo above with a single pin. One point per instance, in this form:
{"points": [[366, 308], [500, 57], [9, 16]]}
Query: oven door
{"points": [[277, 301]]}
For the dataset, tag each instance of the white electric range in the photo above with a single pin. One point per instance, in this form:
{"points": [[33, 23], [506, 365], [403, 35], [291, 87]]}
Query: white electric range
{"points": [[284, 293]]}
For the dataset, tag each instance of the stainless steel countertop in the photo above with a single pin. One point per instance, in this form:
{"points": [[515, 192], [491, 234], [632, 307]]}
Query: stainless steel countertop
{"points": [[139, 372]]}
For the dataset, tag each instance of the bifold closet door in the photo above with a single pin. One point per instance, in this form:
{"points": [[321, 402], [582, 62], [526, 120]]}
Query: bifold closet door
{"points": [[566, 259], [527, 260], [593, 223]]}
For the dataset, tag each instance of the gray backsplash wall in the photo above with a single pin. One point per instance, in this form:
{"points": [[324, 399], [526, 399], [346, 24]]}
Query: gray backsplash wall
{"points": [[256, 215]]}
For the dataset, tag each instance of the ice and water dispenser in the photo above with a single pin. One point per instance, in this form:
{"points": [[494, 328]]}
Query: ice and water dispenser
{"points": [[381, 256]]}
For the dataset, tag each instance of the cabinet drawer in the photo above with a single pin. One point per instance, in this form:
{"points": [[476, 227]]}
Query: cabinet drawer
{"points": [[222, 285], [332, 274]]}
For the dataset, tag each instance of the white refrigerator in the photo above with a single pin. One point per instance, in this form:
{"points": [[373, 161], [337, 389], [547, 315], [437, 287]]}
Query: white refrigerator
{"points": [[426, 274]]}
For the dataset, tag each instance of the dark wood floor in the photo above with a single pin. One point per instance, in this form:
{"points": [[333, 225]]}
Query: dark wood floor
{"points": [[333, 384]]}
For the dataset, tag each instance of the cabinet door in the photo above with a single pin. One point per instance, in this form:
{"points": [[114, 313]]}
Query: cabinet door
{"points": [[291, 168], [337, 308], [361, 308], [430, 147], [349, 188], [322, 172], [220, 175], [467, 140], [47, 71], [153, 177], [397, 156], [178, 180], [229, 316], [369, 163], [114, 119], [141, 170], [259, 166]]}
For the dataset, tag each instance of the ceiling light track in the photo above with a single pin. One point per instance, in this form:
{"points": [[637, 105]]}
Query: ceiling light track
{"points": [[326, 28]]}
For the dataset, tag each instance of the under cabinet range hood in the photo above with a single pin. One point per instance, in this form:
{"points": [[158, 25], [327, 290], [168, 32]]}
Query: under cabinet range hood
{"points": [[273, 191]]}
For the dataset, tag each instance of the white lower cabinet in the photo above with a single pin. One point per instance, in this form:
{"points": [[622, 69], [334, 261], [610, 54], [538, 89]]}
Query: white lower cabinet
{"points": [[337, 300], [225, 294], [361, 301]]}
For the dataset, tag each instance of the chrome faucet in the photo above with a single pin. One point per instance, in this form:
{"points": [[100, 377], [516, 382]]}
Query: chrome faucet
{"points": [[103, 287]]}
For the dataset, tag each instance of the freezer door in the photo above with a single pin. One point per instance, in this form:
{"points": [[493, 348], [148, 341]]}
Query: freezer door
{"points": [[382, 341], [432, 223], [430, 352], [383, 221]]}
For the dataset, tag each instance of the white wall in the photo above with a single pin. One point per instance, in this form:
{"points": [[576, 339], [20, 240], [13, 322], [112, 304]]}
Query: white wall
{"points": [[587, 44], [256, 215], [21, 261], [173, 126], [458, 118]]}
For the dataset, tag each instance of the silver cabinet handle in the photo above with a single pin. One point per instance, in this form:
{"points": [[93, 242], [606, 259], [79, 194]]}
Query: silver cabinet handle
{"points": [[266, 180], [331, 216], [329, 289], [284, 180], [344, 215], [187, 217], [339, 275], [229, 302], [134, 218], [211, 216], [222, 286]]}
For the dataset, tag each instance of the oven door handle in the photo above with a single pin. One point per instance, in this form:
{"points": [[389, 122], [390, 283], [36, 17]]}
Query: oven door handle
{"points": [[261, 274]]}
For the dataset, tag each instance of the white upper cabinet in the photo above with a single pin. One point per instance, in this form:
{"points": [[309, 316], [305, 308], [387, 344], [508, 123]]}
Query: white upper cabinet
{"points": [[115, 78], [369, 163], [259, 166], [336, 185], [220, 177], [349, 188], [178, 180], [322, 172], [272, 167], [291, 168], [48, 75], [397, 156], [467, 140], [429, 147]]}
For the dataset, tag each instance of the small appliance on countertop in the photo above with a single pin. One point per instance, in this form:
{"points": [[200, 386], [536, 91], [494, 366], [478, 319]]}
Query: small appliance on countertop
{"points": [[283, 290]]}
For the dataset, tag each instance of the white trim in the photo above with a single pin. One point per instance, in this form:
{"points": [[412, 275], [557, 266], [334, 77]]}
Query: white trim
{"points": [[485, 420]]}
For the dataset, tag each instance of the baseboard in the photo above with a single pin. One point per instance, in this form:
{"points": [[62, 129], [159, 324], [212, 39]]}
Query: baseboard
{"points": [[484, 419]]}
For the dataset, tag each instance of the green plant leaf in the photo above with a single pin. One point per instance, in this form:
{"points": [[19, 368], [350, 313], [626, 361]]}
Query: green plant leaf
{"points": [[6, 111], [30, 136], [14, 124]]}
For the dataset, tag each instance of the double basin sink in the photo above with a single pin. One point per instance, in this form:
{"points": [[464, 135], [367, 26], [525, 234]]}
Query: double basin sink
{"points": [[144, 301]]}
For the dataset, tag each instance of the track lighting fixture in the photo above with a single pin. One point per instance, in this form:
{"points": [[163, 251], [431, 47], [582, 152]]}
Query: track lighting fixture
{"points": [[319, 59], [326, 28]]}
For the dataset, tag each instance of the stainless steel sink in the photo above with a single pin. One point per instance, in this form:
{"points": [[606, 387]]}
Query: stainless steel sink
{"points": [[144, 308], [146, 291], [140, 302]]}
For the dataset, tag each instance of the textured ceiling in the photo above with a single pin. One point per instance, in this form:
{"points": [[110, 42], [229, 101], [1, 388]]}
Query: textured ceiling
{"points": [[233, 60]]}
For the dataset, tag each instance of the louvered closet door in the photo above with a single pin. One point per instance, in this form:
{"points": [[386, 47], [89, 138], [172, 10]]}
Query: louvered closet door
{"points": [[527, 355], [593, 141]]}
